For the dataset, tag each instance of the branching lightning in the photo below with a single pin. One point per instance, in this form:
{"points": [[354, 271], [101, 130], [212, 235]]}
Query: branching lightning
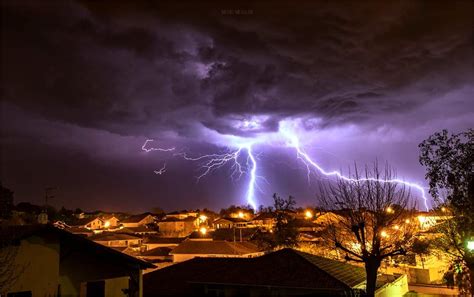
{"points": [[242, 160], [308, 162], [212, 162]]}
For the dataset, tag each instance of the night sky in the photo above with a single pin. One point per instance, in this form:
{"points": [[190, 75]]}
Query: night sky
{"points": [[85, 84]]}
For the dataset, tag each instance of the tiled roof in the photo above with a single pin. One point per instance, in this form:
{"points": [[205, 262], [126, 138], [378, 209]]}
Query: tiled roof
{"points": [[214, 247], [286, 268], [233, 220], [264, 216], [348, 274], [83, 222], [164, 240], [135, 218], [110, 236], [173, 219], [160, 251]]}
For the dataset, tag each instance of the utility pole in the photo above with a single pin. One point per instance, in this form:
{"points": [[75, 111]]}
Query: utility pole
{"points": [[47, 195]]}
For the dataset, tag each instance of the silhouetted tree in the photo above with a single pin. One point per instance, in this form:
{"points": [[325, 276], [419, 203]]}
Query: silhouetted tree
{"points": [[369, 229], [449, 162], [226, 212], [285, 233]]}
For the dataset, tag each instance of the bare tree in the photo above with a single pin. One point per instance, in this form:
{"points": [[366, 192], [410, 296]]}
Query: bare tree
{"points": [[10, 270], [375, 218]]}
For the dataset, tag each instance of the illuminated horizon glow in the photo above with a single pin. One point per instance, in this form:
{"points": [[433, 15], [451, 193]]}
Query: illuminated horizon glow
{"points": [[286, 136]]}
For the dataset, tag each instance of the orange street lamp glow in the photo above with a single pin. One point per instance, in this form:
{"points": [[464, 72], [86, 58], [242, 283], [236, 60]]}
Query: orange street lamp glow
{"points": [[203, 218], [203, 230], [106, 224], [407, 221], [396, 227], [241, 214], [389, 210], [422, 219], [308, 214], [443, 209], [384, 234]]}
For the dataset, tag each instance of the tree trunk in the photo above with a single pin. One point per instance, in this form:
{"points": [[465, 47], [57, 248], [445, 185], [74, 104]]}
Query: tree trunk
{"points": [[470, 266], [371, 267]]}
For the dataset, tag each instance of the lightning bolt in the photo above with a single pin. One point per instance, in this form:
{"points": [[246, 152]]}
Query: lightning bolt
{"points": [[308, 162], [212, 162], [239, 165], [161, 171], [144, 147]]}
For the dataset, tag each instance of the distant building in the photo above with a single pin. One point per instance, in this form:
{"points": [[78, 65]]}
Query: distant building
{"points": [[110, 221], [48, 261], [153, 242], [223, 223], [265, 220], [192, 248], [176, 227], [91, 223], [182, 214], [114, 239], [157, 254], [285, 272], [138, 220]]}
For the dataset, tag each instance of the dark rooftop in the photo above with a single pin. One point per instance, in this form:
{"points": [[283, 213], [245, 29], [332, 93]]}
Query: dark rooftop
{"points": [[72, 241], [215, 247], [285, 268], [136, 218]]}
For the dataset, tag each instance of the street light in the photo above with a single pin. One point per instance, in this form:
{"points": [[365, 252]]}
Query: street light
{"points": [[308, 214], [203, 230], [470, 245]]}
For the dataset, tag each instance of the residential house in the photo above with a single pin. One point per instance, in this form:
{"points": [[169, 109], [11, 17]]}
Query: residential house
{"points": [[230, 223], [138, 220], [110, 221], [191, 248], [157, 254], [265, 220], [114, 239], [153, 241], [47, 261], [91, 223], [285, 272], [428, 220], [175, 227]]}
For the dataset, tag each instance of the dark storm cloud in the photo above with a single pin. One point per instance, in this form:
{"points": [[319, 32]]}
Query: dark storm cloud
{"points": [[141, 69]]}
